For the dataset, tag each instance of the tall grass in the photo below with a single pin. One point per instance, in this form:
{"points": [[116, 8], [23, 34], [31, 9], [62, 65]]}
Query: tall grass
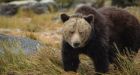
{"points": [[135, 11], [125, 63], [12, 60], [47, 61]]}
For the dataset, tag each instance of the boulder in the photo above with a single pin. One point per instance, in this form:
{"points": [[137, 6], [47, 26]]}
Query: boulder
{"points": [[16, 44], [39, 7], [8, 9]]}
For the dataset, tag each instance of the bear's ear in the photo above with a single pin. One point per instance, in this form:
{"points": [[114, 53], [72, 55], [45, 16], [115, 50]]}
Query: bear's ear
{"points": [[89, 18], [64, 17]]}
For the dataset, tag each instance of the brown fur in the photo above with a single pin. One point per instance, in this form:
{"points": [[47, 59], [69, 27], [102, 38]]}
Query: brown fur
{"points": [[76, 25], [108, 25], [123, 27]]}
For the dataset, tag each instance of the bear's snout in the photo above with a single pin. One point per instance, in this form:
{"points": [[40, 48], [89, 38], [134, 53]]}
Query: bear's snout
{"points": [[76, 44], [75, 40]]}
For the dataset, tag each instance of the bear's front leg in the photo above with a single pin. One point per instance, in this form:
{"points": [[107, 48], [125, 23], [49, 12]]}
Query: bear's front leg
{"points": [[70, 61], [101, 64], [70, 58], [100, 59]]}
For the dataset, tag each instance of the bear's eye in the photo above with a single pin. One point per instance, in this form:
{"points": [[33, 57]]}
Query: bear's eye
{"points": [[80, 32], [71, 32]]}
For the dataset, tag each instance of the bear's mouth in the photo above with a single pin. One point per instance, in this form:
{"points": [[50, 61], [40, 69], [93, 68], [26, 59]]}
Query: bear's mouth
{"points": [[76, 45]]}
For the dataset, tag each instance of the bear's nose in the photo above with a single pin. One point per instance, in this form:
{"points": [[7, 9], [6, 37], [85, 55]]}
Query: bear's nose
{"points": [[76, 44]]}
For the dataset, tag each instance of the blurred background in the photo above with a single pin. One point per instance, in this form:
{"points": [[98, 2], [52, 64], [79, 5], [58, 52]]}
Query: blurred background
{"points": [[11, 7], [30, 36]]}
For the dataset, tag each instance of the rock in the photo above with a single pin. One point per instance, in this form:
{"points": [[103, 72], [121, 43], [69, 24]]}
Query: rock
{"points": [[40, 8], [46, 1], [17, 44], [37, 7], [8, 9], [22, 2]]}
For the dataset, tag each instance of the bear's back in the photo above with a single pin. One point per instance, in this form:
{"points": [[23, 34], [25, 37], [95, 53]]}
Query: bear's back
{"points": [[125, 27], [119, 16]]}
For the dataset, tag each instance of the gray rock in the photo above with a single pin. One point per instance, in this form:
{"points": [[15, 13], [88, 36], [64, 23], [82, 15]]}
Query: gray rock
{"points": [[40, 8], [8, 9], [43, 6], [16, 44], [22, 2]]}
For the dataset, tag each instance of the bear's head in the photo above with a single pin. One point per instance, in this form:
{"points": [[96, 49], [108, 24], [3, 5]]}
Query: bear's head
{"points": [[77, 29]]}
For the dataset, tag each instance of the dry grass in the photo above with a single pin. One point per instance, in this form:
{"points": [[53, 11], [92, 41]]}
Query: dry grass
{"points": [[47, 61], [135, 11]]}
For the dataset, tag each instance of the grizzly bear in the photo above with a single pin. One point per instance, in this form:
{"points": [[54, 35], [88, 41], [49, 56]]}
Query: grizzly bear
{"points": [[93, 31]]}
